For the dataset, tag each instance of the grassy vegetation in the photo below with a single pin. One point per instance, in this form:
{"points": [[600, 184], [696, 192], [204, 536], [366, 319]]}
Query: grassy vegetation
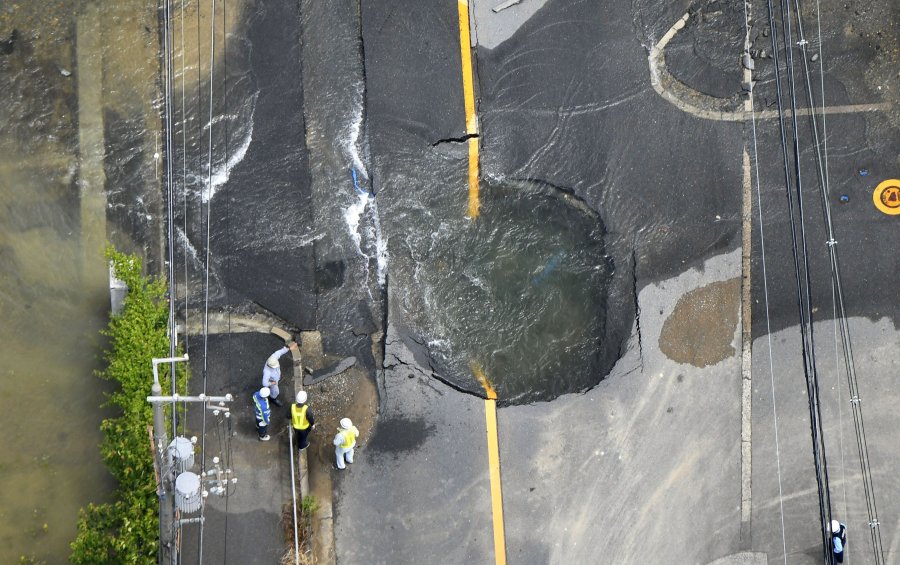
{"points": [[126, 530], [308, 507]]}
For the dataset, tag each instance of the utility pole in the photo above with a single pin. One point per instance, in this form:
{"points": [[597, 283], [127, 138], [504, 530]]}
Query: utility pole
{"points": [[164, 458], [218, 477]]}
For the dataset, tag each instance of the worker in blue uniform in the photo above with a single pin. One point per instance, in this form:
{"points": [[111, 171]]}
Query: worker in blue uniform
{"points": [[262, 412], [838, 540]]}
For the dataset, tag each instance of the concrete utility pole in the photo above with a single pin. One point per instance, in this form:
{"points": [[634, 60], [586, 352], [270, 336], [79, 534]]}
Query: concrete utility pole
{"points": [[168, 553], [164, 460]]}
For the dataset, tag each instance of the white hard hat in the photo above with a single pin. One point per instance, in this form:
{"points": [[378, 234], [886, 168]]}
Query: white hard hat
{"points": [[272, 362], [301, 397], [835, 526], [346, 423], [264, 392]]}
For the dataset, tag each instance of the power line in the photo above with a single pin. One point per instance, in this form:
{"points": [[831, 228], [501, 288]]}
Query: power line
{"points": [[184, 190], [814, 398], [166, 514], [762, 241], [840, 314], [802, 277], [212, 61], [171, 530], [227, 447]]}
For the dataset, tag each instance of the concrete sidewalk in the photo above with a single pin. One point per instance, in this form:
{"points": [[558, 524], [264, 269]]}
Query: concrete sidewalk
{"points": [[245, 526]]}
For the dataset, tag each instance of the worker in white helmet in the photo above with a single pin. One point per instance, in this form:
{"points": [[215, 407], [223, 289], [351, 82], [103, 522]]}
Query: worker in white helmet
{"points": [[344, 442], [838, 532], [272, 372], [302, 420], [262, 412]]}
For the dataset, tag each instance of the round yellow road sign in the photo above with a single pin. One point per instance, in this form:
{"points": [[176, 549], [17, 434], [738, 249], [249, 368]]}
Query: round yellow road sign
{"points": [[887, 197]]}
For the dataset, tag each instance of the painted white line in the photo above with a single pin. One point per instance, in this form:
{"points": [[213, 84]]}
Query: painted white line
{"points": [[709, 107]]}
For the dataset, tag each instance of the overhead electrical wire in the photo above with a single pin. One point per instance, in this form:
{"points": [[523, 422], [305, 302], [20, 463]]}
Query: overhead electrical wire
{"points": [[227, 447], [170, 202], [838, 293], [184, 194], [212, 62], [801, 275], [170, 228], [837, 388], [184, 191], [762, 241], [817, 429], [223, 424]]}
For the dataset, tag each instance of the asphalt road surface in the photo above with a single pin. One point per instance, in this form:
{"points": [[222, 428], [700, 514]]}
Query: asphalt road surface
{"points": [[649, 409], [648, 465]]}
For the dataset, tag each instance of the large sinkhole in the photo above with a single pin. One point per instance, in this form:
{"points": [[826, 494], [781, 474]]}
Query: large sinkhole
{"points": [[520, 294]]}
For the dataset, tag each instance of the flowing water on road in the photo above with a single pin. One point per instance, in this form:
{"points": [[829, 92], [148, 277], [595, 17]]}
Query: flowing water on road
{"points": [[52, 312], [76, 126], [53, 295], [523, 295]]}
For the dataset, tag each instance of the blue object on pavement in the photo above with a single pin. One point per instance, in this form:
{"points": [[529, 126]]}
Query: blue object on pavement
{"points": [[356, 184]]}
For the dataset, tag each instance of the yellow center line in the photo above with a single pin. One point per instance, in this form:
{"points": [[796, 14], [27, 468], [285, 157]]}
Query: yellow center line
{"points": [[465, 54], [474, 201], [490, 418], [482, 380], [493, 445], [490, 403]]}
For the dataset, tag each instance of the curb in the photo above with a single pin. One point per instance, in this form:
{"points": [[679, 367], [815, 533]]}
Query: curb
{"points": [[302, 459]]}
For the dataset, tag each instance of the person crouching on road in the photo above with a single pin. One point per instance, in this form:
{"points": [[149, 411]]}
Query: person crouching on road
{"points": [[272, 371], [302, 420], [262, 412], [344, 442]]}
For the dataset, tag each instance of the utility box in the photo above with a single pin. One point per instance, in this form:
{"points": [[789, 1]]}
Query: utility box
{"points": [[118, 290]]}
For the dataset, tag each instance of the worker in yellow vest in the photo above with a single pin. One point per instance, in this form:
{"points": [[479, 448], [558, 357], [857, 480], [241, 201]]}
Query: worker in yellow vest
{"points": [[302, 420], [344, 442]]}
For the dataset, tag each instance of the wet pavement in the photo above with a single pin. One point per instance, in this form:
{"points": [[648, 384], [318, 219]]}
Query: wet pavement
{"points": [[601, 290], [662, 198], [262, 210], [64, 97], [244, 526], [647, 466]]}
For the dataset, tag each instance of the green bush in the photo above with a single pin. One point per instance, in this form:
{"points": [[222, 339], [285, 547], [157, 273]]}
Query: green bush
{"points": [[126, 530]]}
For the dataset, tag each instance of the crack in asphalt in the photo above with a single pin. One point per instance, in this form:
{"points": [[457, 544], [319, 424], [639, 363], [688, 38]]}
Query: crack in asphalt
{"points": [[463, 139], [637, 305], [567, 194]]}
